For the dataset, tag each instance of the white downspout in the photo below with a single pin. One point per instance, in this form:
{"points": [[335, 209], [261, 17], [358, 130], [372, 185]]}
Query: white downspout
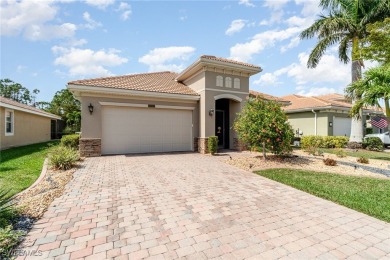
{"points": [[315, 121]]}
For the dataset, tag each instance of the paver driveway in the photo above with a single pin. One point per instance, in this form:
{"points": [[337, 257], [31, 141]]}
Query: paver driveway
{"points": [[196, 206]]}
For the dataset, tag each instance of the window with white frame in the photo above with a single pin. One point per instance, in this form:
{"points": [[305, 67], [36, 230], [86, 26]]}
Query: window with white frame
{"points": [[228, 82], [219, 81], [236, 83], [9, 122]]}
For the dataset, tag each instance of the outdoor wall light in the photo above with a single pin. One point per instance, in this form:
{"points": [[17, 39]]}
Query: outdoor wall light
{"points": [[330, 124], [90, 107], [211, 112]]}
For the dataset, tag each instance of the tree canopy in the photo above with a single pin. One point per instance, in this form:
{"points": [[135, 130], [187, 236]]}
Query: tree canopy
{"points": [[376, 46], [17, 92], [264, 124]]}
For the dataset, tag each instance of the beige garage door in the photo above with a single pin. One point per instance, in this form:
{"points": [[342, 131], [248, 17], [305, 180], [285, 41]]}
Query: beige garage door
{"points": [[341, 126], [145, 130]]}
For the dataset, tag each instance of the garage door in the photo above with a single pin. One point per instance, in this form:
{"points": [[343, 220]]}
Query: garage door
{"points": [[341, 126], [145, 130]]}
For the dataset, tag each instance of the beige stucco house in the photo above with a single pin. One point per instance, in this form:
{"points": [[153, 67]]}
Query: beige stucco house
{"points": [[163, 111], [21, 124], [326, 115]]}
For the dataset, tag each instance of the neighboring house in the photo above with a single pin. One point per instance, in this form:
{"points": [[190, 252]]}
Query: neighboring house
{"points": [[163, 111], [268, 97], [322, 115], [21, 124]]}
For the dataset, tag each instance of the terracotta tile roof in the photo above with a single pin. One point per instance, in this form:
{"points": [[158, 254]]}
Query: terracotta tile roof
{"points": [[298, 102], [162, 82], [210, 57], [6, 101], [267, 97]]}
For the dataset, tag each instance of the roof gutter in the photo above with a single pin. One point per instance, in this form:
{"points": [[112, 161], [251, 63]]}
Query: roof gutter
{"points": [[29, 111]]}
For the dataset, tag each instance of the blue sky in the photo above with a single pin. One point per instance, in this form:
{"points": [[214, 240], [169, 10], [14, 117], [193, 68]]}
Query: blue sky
{"points": [[45, 44]]}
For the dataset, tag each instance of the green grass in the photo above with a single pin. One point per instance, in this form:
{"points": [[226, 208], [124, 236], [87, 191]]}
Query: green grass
{"points": [[364, 153], [21, 166], [364, 194]]}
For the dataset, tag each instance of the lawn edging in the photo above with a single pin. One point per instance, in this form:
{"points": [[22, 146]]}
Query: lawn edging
{"points": [[37, 181]]}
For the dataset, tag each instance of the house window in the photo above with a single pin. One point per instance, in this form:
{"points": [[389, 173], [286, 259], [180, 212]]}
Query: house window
{"points": [[219, 81], [236, 83], [228, 82], [9, 122]]}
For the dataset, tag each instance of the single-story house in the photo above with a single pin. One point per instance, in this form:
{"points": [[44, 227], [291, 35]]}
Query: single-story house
{"points": [[163, 111], [21, 124], [326, 115], [267, 97]]}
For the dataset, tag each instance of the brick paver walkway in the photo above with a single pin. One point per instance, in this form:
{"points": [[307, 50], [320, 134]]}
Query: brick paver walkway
{"points": [[197, 207]]}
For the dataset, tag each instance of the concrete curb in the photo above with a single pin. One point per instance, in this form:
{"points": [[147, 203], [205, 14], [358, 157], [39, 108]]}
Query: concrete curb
{"points": [[40, 178]]}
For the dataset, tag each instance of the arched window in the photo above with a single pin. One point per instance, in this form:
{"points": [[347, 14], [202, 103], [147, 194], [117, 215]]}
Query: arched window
{"points": [[236, 83], [228, 82], [219, 81]]}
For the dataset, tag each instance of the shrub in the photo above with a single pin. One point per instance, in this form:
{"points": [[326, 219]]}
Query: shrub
{"points": [[323, 141], [335, 141], [213, 144], [341, 153], [264, 124], [363, 160], [330, 162], [373, 144], [8, 239], [71, 141], [63, 157]]}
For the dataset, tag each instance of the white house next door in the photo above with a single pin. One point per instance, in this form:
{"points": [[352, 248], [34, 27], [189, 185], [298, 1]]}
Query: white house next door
{"points": [[145, 130]]}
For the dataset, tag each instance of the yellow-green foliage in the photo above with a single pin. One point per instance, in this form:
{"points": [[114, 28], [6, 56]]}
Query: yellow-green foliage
{"points": [[310, 141], [212, 144], [71, 141]]}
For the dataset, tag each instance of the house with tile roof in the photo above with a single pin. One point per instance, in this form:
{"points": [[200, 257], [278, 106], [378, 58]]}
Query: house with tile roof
{"points": [[326, 115], [163, 111], [21, 124]]}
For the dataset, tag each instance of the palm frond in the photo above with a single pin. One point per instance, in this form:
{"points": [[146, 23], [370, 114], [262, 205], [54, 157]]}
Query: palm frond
{"points": [[5, 201], [319, 50], [345, 45]]}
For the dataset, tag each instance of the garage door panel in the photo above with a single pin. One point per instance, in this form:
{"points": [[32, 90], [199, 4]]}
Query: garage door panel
{"points": [[145, 130], [341, 126]]}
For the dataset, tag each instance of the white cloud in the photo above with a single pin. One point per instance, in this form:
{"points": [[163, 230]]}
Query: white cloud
{"points": [[101, 4], [293, 43], [31, 18], [235, 26], [317, 91], [169, 58], [276, 17], [267, 79], [310, 7], [87, 62], [329, 70], [91, 23], [275, 4], [245, 51], [246, 3], [125, 10]]}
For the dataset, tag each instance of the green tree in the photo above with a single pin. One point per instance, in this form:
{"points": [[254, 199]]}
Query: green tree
{"points": [[373, 87], [346, 25], [17, 92], [376, 46], [264, 124], [65, 105]]}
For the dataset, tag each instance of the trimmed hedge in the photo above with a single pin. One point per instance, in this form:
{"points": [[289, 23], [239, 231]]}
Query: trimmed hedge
{"points": [[213, 144], [310, 141], [71, 141], [373, 144]]}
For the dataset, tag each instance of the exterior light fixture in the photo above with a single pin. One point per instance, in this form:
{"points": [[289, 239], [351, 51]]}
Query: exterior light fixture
{"points": [[330, 124], [211, 112], [90, 108]]}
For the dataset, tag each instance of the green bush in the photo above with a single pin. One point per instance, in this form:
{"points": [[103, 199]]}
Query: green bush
{"points": [[8, 239], [341, 153], [71, 141], [63, 157], [213, 144], [373, 144], [323, 141]]}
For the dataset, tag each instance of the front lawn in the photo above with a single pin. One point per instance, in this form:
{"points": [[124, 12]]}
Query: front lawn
{"points": [[21, 166], [364, 194], [364, 153]]}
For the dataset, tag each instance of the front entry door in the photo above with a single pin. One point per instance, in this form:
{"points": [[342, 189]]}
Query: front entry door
{"points": [[220, 127]]}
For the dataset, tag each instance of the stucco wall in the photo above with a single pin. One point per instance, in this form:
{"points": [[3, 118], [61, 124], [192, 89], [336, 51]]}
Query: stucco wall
{"points": [[91, 125], [28, 129], [305, 122]]}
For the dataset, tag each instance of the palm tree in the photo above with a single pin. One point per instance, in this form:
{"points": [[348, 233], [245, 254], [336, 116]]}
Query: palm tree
{"points": [[374, 87], [346, 25]]}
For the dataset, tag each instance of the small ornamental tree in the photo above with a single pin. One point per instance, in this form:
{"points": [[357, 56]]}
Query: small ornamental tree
{"points": [[264, 124]]}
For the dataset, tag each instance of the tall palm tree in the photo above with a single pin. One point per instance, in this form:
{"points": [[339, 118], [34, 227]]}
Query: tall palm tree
{"points": [[346, 25]]}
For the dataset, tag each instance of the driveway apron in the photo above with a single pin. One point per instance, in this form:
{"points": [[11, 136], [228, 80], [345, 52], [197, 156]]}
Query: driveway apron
{"points": [[194, 206]]}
